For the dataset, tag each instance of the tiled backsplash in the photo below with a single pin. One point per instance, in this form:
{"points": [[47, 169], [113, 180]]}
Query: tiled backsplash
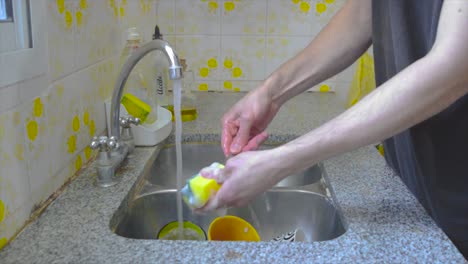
{"points": [[234, 45], [46, 123]]}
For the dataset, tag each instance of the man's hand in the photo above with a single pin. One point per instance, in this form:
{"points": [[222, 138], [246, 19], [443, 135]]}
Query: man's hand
{"points": [[244, 124], [243, 178]]}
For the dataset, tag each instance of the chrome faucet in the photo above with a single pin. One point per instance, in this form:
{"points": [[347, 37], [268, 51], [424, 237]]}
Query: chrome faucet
{"points": [[115, 149]]}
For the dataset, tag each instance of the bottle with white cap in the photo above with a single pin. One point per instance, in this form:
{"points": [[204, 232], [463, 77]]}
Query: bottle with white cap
{"points": [[138, 84]]}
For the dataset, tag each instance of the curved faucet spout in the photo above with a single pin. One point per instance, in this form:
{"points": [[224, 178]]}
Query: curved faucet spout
{"points": [[175, 72]]}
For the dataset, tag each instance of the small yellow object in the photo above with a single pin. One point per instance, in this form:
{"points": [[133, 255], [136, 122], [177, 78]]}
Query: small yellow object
{"points": [[232, 228], [3, 242], [2, 211], [136, 107], [236, 72], [198, 190], [38, 107], [304, 6], [380, 148], [203, 87], [203, 187], [324, 88], [212, 63], [321, 7], [191, 231], [32, 129]]}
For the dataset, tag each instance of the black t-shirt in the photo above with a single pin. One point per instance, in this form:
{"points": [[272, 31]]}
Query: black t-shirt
{"points": [[431, 157]]}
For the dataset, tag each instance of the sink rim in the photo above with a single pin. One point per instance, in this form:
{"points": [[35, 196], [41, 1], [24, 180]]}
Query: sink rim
{"points": [[142, 188], [323, 200]]}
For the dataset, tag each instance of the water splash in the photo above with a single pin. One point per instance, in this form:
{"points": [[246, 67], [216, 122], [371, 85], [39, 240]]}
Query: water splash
{"points": [[178, 142]]}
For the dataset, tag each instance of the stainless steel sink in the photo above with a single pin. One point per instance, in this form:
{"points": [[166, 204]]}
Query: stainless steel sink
{"points": [[273, 214], [305, 201], [197, 156]]}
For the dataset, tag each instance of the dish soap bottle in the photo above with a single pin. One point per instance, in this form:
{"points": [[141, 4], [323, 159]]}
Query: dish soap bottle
{"points": [[137, 83], [188, 106], [161, 73]]}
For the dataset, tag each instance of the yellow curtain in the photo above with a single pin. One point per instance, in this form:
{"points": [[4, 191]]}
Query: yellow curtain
{"points": [[363, 80]]}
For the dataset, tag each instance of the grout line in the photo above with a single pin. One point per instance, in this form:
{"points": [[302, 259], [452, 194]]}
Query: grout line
{"points": [[220, 51], [77, 70], [242, 35], [265, 73]]}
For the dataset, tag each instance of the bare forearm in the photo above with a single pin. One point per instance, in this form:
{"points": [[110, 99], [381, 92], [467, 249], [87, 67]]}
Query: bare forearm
{"points": [[341, 42], [421, 90]]}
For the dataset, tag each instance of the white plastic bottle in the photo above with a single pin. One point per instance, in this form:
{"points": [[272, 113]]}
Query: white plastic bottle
{"points": [[161, 70], [138, 83]]}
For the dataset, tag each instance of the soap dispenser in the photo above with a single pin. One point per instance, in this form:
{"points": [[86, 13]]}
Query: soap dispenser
{"points": [[188, 106]]}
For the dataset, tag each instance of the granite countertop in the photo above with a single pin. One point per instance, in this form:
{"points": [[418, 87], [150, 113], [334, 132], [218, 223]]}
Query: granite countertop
{"points": [[385, 222]]}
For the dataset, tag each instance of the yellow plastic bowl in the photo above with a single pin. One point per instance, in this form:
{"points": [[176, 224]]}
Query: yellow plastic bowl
{"points": [[232, 228]]}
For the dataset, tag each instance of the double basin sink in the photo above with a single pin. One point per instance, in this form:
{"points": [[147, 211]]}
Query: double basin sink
{"points": [[304, 201]]}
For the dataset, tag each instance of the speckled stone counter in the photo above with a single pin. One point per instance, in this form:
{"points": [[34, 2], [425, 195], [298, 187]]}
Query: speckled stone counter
{"points": [[385, 222]]}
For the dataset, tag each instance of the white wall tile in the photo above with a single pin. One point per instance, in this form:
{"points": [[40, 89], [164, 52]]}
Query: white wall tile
{"points": [[244, 17], [239, 86], [288, 18], [140, 14], [96, 32], [281, 49], [14, 187], [61, 40], [202, 54], [206, 85], [165, 10], [198, 17], [9, 97], [29, 89]]}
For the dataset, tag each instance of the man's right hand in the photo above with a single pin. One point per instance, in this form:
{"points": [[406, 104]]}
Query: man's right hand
{"points": [[244, 124]]}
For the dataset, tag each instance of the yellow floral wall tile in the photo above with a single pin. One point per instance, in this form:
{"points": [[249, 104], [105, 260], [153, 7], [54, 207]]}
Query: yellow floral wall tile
{"points": [[198, 17], [243, 58], [282, 48], [326, 9], [38, 138], [15, 198], [166, 16], [300, 17], [205, 85], [202, 55], [60, 35], [239, 86], [244, 17], [14, 186], [97, 33], [13, 223], [44, 139], [140, 14], [64, 110], [286, 17], [324, 87]]}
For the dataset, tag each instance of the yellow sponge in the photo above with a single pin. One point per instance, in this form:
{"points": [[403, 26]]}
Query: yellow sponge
{"points": [[136, 107], [198, 190]]}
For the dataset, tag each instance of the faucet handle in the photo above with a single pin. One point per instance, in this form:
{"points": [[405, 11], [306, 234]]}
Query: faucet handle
{"points": [[126, 122], [103, 143]]}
